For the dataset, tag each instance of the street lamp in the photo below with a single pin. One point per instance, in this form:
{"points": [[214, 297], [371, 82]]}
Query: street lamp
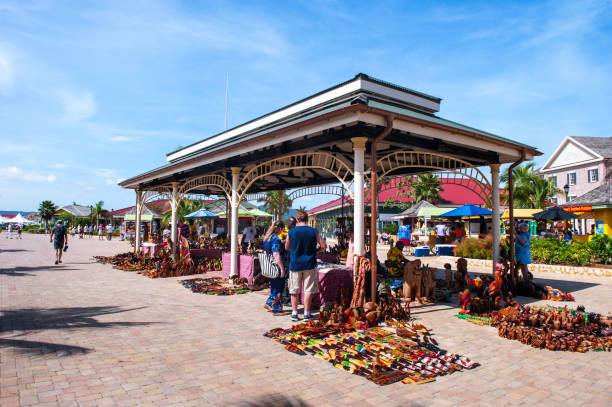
{"points": [[566, 189]]}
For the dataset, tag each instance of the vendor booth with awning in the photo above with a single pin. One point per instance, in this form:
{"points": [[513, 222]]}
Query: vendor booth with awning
{"points": [[359, 131]]}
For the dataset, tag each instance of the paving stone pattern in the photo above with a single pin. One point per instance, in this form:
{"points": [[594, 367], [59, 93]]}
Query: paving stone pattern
{"points": [[84, 334]]}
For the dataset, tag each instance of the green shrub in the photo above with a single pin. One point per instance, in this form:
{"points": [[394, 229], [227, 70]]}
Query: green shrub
{"points": [[554, 251], [474, 248], [601, 247], [35, 230], [391, 228]]}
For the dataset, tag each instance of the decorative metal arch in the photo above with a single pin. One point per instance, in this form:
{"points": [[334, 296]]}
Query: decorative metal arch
{"points": [[321, 160], [318, 190], [456, 171], [205, 180], [154, 194]]}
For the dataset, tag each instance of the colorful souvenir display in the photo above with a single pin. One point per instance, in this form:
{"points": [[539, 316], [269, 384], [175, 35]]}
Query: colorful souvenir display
{"points": [[161, 265], [217, 286], [556, 329], [376, 353]]}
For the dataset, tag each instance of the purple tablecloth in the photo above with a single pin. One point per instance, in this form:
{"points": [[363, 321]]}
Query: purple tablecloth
{"points": [[327, 258], [211, 253], [331, 281], [246, 265]]}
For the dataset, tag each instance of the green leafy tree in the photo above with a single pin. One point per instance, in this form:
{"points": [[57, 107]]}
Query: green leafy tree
{"points": [[276, 202], [98, 211], [301, 209], [46, 210], [184, 208], [423, 187], [530, 190]]}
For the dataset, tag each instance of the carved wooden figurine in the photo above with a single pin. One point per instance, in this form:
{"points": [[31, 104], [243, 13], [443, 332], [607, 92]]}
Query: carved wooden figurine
{"points": [[412, 280], [428, 284]]}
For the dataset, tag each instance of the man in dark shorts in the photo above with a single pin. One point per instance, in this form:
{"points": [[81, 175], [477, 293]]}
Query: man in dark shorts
{"points": [[59, 237], [301, 244]]}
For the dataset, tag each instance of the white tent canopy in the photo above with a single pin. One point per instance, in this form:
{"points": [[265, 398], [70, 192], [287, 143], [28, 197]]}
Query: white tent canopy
{"points": [[19, 219], [4, 220]]}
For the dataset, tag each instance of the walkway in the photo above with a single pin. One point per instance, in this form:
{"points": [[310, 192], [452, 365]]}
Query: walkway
{"points": [[85, 334]]}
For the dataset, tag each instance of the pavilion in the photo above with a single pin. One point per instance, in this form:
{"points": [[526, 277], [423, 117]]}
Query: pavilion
{"points": [[328, 138]]}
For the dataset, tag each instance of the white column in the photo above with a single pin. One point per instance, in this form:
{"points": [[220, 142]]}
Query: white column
{"points": [[359, 144], [495, 215], [234, 224], [174, 205], [138, 210]]}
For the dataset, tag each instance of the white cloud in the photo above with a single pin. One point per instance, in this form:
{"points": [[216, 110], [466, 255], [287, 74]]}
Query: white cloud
{"points": [[121, 139], [79, 105], [120, 180], [104, 172], [16, 173], [59, 165]]}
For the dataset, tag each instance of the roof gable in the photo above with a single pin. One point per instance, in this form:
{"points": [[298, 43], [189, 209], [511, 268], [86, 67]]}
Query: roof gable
{"points": [[570, 152]]}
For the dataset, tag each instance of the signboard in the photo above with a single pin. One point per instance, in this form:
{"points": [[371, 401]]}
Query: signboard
{"points": [[579, 209], [599, 227]]}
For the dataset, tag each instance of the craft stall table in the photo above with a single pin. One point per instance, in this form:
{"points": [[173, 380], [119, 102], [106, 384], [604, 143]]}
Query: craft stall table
{"points": [[248, 266], [151, 248], [210, 253], [332, 278]]}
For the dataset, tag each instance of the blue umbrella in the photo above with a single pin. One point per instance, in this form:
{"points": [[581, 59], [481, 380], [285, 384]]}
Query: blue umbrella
{"points": [[201, 213], [467, 210]]}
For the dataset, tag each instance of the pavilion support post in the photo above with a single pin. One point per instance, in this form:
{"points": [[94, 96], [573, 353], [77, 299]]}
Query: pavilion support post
{"points": [[234, 223], [495, 214], [374, 203], [511, 215], [359, 145], [174, 226], [138, 213]]}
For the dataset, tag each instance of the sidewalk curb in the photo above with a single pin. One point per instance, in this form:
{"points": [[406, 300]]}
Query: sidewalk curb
{"points": [[543, 268]]}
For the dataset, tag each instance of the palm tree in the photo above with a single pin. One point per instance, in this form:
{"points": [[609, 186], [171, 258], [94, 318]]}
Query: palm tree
{"points": [[46, 210], [427, 187], [98, 210], [530, 190], [184, 208], [276, 202], [301, 209]]}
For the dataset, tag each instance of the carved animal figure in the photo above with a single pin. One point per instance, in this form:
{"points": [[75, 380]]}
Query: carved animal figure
{"points": [[428, 284], [411, 287]]}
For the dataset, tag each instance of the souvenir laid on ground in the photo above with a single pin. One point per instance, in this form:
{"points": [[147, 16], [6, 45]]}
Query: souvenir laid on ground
{"points": [[556, 328], [161, 265], [376, 353], [553, 328], [217, 286]]}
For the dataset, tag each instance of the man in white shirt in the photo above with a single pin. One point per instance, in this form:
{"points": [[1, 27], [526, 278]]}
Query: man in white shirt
{"points": [[248, 235], [441, 233]]}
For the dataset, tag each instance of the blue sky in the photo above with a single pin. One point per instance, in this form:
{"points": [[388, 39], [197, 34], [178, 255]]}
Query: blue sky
{"points": [[93, 92]]}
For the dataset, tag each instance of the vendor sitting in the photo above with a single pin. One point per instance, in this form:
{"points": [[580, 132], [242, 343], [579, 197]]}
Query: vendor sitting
{"points": [[395, 260]]}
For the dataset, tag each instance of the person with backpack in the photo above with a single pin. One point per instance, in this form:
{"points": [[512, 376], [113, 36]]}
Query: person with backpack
{"points": [[273, 244], [59, 238]]}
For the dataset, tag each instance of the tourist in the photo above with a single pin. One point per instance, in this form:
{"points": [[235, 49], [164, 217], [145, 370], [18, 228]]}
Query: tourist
{"points": [[91, 231], [350, 253], [109, 232], [85, 230], [395, 260], [441, 233], [200, 231], [522, 249], [248, 236], [302, 246], [273, 244], [404, 233], [166, 234], [10, 231], [59, 238], [19, 230], [459, 233], [100, 232]]}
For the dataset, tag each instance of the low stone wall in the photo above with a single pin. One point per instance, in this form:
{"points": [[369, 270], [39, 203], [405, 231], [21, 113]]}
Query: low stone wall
{"points": [[544, 268]]}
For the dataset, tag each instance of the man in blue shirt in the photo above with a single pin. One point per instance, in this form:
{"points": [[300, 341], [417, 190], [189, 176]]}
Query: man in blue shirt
{"points": [[403, 234], [301, 244]]}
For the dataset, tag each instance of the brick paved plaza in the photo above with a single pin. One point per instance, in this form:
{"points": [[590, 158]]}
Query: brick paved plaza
{"points": [[82, 333]]}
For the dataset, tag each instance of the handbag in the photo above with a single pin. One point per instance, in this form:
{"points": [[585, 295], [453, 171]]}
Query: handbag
{"points": [[269, 267]]}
